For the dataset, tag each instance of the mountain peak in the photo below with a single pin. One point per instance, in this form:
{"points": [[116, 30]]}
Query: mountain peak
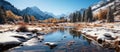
{"points": [[34, 7], [28, 8], [35, 11]]}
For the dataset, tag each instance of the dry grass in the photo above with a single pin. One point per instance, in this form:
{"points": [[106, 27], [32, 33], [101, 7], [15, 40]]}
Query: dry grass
{"points": [[97, 25], [79, 26]]}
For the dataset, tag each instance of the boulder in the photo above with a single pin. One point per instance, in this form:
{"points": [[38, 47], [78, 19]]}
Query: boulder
{"points": [[107, 35], [100, 40], [51, 44], [41, 38], [71, 43], [39, 33], [21, 38]]}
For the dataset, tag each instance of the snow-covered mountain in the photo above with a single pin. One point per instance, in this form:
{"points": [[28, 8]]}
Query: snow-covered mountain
{"points": [[37, 13]]}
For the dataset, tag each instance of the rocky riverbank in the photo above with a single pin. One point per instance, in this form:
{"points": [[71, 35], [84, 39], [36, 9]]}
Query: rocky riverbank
{"points": [[14, 35], [106, 34]]}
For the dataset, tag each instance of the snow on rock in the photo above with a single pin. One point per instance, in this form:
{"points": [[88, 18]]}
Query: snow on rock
{"points": [[41, 37], [31, 42], [51, 44], [27, 35], [109, 33], [9, 40], [34, 28], [13, 38], [92, 33], [107, 36], [6, 38]]}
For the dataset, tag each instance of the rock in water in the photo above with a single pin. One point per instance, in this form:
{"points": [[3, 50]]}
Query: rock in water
{"points": [[41, 38], [71, 43], [64, 36], [51, 44]]}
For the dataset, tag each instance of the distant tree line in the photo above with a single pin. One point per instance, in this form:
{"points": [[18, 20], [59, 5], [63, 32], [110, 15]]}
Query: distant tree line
{"points": [[88, 16]]}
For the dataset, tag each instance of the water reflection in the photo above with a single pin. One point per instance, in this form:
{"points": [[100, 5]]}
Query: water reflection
{"points": [[67, 40], [75, 34]]}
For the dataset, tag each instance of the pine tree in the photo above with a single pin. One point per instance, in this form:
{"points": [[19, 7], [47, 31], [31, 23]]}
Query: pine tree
{"points": [[79, 19], [26, 18], [2, 15], [89, 15], [71, 17], [74, 17], [83, 17], [110, 16], [78, 16], [86, 16]]}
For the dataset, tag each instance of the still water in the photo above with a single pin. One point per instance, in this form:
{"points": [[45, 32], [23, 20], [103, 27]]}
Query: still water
{"points": [[66, 40]]}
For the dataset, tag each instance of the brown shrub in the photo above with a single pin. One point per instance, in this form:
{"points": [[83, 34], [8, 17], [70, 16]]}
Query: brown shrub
{"points": [[101, 14], [34, 31], [22, 28]]}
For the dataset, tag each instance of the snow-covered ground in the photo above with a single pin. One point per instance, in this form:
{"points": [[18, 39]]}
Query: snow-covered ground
{"points": [[9, 36], [109, 33]]}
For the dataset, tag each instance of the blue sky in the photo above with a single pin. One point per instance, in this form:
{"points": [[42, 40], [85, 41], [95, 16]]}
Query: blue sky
{"points": [[56, 7]]}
